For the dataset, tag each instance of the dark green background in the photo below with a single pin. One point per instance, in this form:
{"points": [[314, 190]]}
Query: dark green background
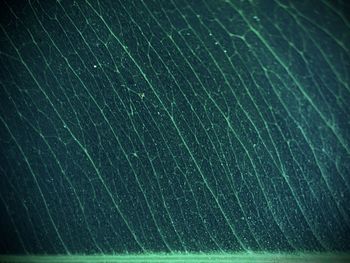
{"points": [[134, 126]]}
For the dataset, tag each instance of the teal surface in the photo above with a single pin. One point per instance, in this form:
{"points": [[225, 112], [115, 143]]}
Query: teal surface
{"points": [[178, 258], [174, 126]]}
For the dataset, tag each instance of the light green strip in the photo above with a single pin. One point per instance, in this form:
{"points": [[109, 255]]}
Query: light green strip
{"points": [[182, 257]]}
